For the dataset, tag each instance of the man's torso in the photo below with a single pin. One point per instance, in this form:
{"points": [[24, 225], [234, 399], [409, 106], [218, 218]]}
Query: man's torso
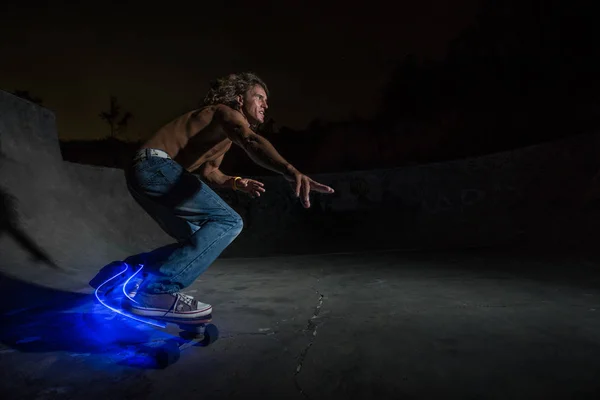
{"points": [[191, 139]]}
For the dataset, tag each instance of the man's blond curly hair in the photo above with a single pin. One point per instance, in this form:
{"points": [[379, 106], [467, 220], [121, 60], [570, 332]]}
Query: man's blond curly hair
{"points": [[226, 89]]}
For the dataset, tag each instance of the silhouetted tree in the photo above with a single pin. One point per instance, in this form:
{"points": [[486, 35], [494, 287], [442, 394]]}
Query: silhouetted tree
{"points": [[542, 50], [412, 95], [114, 119], [523, 72], [24, 94]]}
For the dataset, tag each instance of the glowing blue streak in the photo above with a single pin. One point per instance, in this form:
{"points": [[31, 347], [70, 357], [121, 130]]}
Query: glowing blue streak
{"points": [[158, 324], [127, 281]]}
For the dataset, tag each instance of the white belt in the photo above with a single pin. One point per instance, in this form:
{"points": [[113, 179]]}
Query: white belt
{"points": [[147, 153]]}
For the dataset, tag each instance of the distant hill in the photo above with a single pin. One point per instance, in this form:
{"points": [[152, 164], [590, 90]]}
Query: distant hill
{"points": [[364, 145]]}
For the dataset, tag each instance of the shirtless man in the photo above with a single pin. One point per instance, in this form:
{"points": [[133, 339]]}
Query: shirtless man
{"points": [[160, 180]]}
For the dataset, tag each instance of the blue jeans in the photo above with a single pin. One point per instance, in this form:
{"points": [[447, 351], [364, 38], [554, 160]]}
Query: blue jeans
{"points": [[190, 212]]}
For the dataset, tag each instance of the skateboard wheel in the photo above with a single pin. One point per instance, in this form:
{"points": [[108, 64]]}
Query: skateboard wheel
{"points": [[211, 334], [167, 354]]}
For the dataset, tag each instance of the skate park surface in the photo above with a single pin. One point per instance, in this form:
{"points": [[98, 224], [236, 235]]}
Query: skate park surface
{"points": [[471, 279]]}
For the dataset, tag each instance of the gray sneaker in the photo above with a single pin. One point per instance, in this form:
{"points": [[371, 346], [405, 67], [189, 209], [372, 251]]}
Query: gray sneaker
{"points": [[176, 307]]}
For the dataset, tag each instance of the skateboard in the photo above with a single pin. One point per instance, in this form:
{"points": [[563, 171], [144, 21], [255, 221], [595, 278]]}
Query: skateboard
{"points": [[115, 281]]}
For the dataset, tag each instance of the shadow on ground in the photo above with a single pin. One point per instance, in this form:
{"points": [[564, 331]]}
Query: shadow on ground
{"points": [[73, 323]]}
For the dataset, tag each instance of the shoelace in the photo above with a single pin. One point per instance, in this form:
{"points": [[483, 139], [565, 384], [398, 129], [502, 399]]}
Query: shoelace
{"points": [[189, 300]]}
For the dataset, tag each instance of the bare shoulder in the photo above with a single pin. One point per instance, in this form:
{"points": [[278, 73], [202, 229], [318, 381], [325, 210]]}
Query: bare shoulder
{"points": [[203, 115], [219, 113], [202, 118], [227, 115], [231, 120]]}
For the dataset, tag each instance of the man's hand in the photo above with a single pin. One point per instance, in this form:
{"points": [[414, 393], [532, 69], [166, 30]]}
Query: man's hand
{"points": [[303, 185], [250, 186]]}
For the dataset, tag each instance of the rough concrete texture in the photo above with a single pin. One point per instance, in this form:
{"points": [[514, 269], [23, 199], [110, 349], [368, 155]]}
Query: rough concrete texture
{"points": [[448, 324], [503, 198]]}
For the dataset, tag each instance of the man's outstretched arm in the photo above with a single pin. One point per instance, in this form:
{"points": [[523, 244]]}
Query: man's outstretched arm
{"points": [[262, 152], [258, 148]]}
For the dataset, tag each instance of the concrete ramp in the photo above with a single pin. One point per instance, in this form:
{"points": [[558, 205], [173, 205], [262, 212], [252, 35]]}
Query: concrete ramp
{"points": [[60, 221]]}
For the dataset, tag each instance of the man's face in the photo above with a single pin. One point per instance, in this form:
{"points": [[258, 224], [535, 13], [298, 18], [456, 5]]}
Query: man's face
{"points": [[254, 105]]}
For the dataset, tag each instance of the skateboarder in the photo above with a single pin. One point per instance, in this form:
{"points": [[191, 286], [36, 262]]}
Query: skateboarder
{"points": [[160, 179]]}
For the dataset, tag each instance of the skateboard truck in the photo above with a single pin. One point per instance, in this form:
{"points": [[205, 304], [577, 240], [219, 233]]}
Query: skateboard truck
{"points": [[169, 352]]}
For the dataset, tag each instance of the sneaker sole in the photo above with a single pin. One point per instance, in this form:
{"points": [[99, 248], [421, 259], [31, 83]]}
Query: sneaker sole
{"points": [[187, 321], [181, 317]]}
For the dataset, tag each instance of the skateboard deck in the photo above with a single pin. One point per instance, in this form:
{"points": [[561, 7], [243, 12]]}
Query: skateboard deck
{"points": [[112, 285]]}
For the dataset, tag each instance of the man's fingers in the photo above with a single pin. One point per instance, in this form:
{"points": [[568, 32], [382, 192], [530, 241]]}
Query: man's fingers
{"points": [[306, 192], [319, 187], [324, 189], [255, 182], [298, 185]]}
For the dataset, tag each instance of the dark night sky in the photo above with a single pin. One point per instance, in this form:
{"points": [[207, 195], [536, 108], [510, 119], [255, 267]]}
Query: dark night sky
{"points": [[318, 60]]}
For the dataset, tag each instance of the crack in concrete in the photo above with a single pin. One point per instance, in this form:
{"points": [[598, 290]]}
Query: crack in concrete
{"points": [[310, 326]]}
